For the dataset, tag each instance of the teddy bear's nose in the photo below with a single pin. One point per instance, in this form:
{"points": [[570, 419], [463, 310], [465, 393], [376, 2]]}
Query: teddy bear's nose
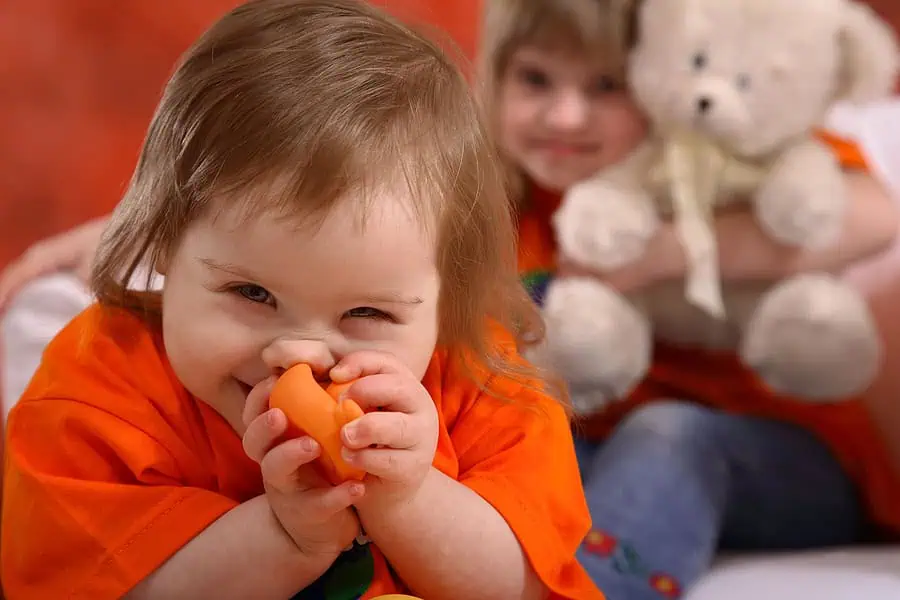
{"points": [[704, 103]]}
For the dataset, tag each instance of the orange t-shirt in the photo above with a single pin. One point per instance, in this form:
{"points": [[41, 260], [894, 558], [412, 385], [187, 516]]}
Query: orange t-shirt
{"points": [[719, 380], [112, 466]]}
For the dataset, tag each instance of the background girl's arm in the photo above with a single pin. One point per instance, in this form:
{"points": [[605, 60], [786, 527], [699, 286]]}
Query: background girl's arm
{"points": [[870, 228], [747, 253], [244, 554], [71, 250]]}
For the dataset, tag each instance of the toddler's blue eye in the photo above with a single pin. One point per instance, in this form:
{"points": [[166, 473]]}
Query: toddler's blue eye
{"points": [[254, 293], [367, 312]]}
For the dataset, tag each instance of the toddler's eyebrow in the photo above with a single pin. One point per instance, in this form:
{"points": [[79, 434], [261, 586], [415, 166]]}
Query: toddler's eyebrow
{"points": [[230, 268], [393, 298]]}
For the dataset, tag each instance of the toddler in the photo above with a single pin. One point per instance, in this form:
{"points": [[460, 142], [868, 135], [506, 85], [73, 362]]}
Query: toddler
{"points": [[315, 187]]}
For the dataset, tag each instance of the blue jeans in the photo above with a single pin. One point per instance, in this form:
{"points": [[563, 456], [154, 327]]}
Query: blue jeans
{"points": [[676, 482]]}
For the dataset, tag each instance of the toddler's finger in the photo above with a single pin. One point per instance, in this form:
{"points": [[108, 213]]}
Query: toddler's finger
{"points": [[258, 400], [279, 466], [389, 392], [365, 363], [263, 432], [384, 463], [390, 429], [325, 502]]}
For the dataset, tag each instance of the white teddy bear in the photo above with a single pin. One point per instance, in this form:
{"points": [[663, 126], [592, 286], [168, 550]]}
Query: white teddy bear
{"points": [[734, 90]]}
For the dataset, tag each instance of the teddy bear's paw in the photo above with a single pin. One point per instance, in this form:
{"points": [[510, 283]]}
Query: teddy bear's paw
{"points": [[813, 337], [602, 226], [802, 202], [596, 341], [588, 402]]}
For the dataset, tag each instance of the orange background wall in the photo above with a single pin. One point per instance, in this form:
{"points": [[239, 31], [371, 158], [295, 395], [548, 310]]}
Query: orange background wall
{"points": [[78, 83]]}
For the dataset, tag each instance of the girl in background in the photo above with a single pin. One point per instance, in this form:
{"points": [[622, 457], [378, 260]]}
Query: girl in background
{"points": [[701, 456]]}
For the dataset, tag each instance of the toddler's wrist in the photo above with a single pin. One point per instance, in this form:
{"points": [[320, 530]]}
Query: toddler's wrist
{"points": [[384, 499]]}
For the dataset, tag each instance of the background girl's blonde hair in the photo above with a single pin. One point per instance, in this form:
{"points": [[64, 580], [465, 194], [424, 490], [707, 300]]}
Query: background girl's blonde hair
{"points": [[289, 106], [603, 28]]}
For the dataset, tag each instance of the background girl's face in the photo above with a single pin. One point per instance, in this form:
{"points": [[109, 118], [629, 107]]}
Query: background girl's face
{"points": [[563, 117]]}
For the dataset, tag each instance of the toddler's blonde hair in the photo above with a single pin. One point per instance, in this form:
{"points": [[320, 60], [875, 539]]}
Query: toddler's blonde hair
{"points": [[291, 105]]}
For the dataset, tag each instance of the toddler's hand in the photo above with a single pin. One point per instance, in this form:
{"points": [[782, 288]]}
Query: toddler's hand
{"points": [[316, 515], [396, 444]]}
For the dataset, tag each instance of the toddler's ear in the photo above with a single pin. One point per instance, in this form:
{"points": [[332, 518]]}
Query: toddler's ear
{"points": [[870, 55], [162, 261]]}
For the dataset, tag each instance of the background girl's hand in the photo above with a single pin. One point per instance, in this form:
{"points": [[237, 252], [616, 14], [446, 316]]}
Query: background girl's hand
{"points": [[316, 515], [395, 444], [72, 250]]}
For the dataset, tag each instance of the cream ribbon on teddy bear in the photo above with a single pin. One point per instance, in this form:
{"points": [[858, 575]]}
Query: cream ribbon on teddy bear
{"points": [[695, 170]]}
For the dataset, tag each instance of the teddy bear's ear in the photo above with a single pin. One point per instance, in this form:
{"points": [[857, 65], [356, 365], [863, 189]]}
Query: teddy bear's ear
{"points": [[870, 55]]}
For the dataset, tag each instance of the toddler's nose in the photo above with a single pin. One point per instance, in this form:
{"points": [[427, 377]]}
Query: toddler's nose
{"points": [[284, 353]]}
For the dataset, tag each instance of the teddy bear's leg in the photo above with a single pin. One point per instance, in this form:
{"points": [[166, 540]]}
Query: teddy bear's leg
{"points": [[596, 341], [812, 336]]}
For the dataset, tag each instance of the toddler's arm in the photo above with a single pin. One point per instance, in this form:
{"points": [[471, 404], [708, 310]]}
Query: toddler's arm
{"points": [[244, 554], [505, 519], [449, 543]]}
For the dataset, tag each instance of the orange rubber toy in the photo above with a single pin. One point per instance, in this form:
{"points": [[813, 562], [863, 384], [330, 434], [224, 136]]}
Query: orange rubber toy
{"points": [[319, 413]]}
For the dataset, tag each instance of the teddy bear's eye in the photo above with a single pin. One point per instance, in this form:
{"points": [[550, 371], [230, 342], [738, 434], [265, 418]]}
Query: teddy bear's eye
{"points": [[699, 60], [743, 81]]}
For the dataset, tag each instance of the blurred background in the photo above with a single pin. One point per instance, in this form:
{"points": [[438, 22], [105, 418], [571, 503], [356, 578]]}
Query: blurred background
{"points": [[78, 83], [79, 80]]}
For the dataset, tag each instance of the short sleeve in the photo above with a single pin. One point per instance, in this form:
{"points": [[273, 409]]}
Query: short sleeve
{"points": [[97, 510], [109, 465], [849, 154], [515, 450]]}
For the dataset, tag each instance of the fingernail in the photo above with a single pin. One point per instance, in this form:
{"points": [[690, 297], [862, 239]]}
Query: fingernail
{"points": [[350, 433], [348, 455], [308, 444]]}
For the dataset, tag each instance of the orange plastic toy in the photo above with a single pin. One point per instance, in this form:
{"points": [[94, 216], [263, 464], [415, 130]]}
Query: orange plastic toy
{"points": [[319, 413]]}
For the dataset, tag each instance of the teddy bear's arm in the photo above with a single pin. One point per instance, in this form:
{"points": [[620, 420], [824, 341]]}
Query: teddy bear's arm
{"points": [[802, 202], [606, 221]]}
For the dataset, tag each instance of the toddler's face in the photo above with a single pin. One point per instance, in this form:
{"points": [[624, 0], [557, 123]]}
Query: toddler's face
{"points": [[234, 288], [563, 118]]}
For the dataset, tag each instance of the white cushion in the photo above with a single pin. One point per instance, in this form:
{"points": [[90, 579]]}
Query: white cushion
{"points": [[34, 318], [876, 129], [851, 574]]}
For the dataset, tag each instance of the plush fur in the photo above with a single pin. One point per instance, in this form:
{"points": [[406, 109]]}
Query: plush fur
{"points": [[738, 88]]}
